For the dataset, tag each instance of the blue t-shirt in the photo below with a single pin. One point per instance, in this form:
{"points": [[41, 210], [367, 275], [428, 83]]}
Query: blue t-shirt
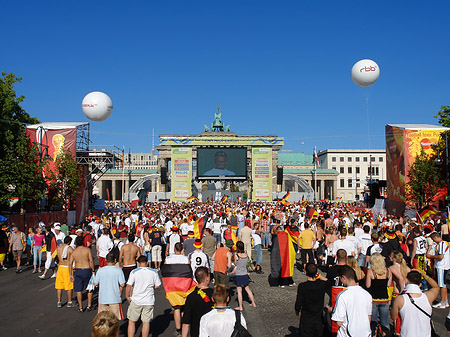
{"points": [[109, 279]]}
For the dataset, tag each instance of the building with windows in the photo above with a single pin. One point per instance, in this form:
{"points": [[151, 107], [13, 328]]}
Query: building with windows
{"points": [[298, 169], [355, 168]]}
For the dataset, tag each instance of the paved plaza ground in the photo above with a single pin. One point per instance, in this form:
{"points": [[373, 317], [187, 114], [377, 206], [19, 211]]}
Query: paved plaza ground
{"points": [[28, 308]]}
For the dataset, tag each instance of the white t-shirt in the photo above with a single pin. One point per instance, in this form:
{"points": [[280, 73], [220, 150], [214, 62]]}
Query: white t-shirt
{"points": [[421, 247], [198, 259], [365, 242], [143, 280], [219, 323], [104, 245], [173, 239], [442, 248], [177, 259], [256, 238], [184, 228], [345, 244], [353, 307]]}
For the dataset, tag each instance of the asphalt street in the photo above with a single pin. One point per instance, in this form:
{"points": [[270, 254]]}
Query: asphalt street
{"points": [[28, 308]]}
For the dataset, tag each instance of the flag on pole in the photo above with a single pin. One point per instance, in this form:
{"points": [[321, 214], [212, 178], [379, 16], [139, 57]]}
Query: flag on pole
{"points": [[225, 198], [316, 157], [427, 211], [192, 198], [286, 196]]}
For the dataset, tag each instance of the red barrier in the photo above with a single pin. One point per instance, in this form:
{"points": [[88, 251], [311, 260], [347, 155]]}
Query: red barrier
{"points": [[24, 221]]}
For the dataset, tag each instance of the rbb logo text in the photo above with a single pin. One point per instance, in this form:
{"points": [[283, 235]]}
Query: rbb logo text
{"points": [[367, 69]]}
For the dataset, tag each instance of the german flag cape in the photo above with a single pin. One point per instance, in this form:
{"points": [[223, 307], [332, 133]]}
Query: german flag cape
{"points": [[199, 227], [229, 234], [177, 281], [287, 254], [293, 235]]}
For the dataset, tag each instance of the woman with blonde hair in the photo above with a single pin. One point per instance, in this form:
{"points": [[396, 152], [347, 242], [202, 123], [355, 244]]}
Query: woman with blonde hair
{"points": [[377, 281], [353, 263], [399, 270]]}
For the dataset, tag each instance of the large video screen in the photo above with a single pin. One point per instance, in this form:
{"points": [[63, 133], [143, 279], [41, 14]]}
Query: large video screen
{"points": [[222, 163]]}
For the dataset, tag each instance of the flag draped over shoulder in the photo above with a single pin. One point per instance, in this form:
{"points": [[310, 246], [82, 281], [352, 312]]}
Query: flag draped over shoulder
{"points": [[287, 254], [293, 235], [199, 227], [178, 282], [427, 211]]}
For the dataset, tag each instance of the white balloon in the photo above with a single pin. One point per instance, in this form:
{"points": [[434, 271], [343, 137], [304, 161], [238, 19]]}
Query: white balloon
{"points": [[97, 106], [365, 73]]}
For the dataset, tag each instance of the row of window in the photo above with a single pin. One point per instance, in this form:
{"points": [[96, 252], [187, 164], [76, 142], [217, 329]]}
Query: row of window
{"points": [[349, 183], [375, 170], [357, 159]]}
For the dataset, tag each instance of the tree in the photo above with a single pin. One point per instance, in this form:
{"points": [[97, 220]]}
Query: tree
{"points": [[425, 179], [20, 170], [444, 116], [12, 115], [64, 179]]}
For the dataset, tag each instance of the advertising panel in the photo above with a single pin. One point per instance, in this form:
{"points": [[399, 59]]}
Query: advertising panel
{"points": [[403, 144], [228, 141], [53, 140], [222, 163], [262, 173], [181, 167]]}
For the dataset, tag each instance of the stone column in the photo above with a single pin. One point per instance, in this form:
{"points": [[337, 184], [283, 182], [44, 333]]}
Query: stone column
{"points": [[322, 189], [113, 189]]}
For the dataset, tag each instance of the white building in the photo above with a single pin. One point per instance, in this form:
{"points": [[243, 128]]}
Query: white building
{"points": [[145, 161], [354, 167]]}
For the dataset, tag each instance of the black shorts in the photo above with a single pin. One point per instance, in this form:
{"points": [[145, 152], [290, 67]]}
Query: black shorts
{"points": [[81, 279], [127, 271]]}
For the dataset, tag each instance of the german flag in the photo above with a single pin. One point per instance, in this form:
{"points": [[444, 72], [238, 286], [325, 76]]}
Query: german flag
{"points": [[53, 247], [287, 254], [312, 213], [229, 234], [285, 202], [427, 211], [225, 198], [192, 198], [286, 196], [199, 227], [293, 235], [178, 282]]}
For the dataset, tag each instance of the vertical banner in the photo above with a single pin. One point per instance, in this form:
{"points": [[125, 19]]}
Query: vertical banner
{"points": [[262, 173], [181, 175]]}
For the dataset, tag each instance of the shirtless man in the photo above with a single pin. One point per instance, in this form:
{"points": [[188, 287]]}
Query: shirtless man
{"points": [[84, 267], [64, 274], [129, 255]]}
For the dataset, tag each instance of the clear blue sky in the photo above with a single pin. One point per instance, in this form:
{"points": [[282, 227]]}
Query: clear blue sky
{"points": [[276, 67]]}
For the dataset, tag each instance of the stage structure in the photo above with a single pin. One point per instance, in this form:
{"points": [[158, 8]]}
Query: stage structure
{"points": [[218, 155], [95, 160]]}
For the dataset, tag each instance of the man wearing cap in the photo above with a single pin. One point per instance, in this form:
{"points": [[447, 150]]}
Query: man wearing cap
{"points": [[188, 245], [198, 258], [172, 240], [59, 235]]}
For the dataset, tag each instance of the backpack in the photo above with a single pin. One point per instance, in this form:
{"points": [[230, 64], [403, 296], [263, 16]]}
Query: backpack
{"points": [[115, 251], [239, 330]]}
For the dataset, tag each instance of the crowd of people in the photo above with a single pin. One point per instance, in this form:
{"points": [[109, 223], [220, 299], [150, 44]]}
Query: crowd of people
{"points": [[382, 274]]}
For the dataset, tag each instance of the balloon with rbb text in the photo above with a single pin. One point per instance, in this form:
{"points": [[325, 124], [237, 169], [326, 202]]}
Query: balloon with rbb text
{"points": [[97, 106], [365, 73]]}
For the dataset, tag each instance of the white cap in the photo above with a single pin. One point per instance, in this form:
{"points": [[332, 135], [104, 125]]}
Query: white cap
{"points": [[57, 225], [79, 230]]}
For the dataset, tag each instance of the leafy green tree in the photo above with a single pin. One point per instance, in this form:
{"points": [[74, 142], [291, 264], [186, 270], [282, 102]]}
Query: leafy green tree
{"points": [[425, 179], [12, 115], [64, 179], [20, 170], [444, 116]]}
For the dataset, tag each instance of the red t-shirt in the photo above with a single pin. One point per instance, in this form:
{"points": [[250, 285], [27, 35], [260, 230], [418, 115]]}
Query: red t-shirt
{"points": [[87, 238]]}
